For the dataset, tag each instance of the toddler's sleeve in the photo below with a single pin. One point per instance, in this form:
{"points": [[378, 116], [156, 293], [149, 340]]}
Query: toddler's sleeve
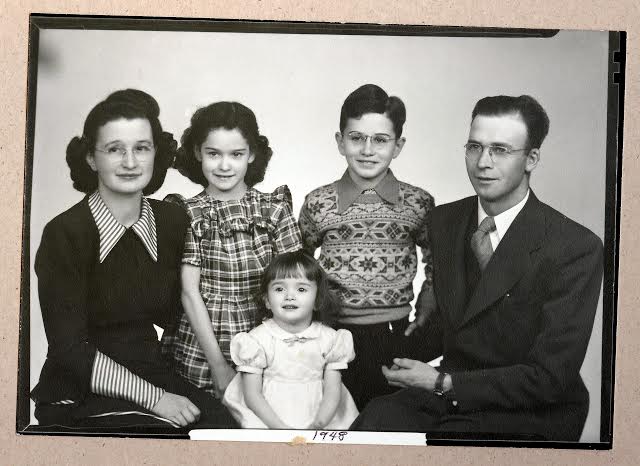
{"points": [[248, 354], [341, 352]]}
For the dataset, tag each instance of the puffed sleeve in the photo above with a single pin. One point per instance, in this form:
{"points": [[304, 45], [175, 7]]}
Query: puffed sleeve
{"points": [[248, 354], [286, 235], [191, 252], [341, 352]]}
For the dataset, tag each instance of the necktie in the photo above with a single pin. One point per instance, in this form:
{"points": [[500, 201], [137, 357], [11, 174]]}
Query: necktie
{"points": [[481, 243]]}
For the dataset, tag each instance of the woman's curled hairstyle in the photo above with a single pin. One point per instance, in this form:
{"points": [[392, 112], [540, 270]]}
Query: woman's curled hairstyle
{"points": [[124, 104], [295, 264], [226, 115]]}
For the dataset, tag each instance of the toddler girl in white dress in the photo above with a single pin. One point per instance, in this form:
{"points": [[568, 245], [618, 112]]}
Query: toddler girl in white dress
{"points": [[289, 366]]}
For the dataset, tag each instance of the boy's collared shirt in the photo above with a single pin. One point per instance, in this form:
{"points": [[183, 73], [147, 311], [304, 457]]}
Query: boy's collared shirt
{"points": [[348, 191]]}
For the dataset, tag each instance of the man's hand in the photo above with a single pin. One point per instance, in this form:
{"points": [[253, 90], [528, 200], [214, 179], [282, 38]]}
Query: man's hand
{"points": [[176, 408], [411, 373]]}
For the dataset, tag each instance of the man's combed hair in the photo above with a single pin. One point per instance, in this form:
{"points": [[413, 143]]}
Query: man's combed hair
{"points": [[296, 264], [125, 104], [373, 99], [226, 115], [532, 113]]}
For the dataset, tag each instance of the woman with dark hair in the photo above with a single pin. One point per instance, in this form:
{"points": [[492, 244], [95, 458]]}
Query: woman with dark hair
{"points": [[234, 232], [108, 270]]}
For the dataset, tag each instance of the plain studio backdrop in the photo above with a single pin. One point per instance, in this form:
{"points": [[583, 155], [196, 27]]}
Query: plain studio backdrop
{"points": [[296, 85]]}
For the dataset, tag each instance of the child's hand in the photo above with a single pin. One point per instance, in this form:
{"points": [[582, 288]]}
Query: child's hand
{"points": [[316, 425], [223, 374], [418, 322]]}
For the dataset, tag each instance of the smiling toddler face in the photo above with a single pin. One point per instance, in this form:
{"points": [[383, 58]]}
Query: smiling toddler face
{"points": [[291, 300]]}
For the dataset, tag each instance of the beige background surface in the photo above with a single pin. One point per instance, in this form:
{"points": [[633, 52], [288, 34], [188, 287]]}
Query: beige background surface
{"points": [[40, 450]]}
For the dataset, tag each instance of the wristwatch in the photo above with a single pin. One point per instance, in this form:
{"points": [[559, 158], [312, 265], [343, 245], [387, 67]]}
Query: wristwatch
{"points": [[439, 386], [449, 396]]}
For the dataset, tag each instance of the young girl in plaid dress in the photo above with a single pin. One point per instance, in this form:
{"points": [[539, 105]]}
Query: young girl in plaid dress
{"points": [[234, 232]]}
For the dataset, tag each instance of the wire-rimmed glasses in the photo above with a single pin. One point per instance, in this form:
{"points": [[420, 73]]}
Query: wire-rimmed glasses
{"points": [[378, 141], [473, 151], [140, 150]]}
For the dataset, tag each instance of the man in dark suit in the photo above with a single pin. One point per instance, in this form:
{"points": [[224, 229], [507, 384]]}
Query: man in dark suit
{"points": [[517, 286]]}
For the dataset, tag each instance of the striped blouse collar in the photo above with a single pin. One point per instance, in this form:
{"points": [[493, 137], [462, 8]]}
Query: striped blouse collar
{"points": [[111, 230]]}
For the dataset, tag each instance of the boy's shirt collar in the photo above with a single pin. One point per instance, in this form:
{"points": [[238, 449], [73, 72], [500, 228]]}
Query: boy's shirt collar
{"points": [[348, 191], [111, 231]]}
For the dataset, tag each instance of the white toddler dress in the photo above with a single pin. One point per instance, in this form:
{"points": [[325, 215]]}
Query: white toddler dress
{"points": [[292, 368]]}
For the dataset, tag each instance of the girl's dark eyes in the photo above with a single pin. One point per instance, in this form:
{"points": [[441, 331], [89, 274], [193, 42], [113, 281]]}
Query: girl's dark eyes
{"points": [[235, 155], [281, 288]]}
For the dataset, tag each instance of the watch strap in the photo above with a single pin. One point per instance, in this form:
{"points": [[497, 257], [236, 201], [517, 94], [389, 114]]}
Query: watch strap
{"points": [[439, 385]]}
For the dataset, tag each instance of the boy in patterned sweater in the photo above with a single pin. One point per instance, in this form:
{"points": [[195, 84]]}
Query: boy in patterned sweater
{"points": [[368, 225]]}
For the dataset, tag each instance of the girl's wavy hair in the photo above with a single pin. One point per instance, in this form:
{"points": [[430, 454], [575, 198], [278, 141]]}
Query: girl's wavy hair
{"points": [[227, 115], [128, 104], [296, 264]]}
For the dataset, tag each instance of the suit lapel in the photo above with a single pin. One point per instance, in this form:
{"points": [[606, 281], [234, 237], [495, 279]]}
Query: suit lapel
{"points": [[449, 248], [510, 260]]}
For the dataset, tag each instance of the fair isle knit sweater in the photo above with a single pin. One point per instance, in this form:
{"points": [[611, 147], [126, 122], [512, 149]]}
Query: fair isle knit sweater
{"points": [[368, 245]]}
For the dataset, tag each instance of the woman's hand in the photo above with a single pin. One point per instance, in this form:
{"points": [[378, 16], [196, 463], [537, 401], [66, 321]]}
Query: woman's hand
{"points": [[176, 408], [223, 374]]}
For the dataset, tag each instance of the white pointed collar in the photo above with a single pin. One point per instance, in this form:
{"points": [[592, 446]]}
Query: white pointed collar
{"points": [[111, 230]]}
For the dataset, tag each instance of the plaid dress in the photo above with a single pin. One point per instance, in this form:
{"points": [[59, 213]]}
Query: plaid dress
{"points": [[232, 242]]}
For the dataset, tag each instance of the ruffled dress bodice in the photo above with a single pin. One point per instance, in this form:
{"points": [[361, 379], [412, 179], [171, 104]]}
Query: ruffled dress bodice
{"points": [[231, 242], [292, 368]]}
